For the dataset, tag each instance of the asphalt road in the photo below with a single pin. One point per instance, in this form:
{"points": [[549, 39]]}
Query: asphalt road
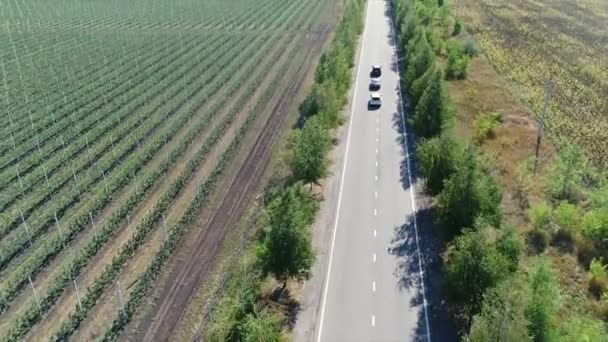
{"points": [[373, 288]]}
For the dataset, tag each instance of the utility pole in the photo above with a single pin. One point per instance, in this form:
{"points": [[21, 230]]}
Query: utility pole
{"points": [[35, 294], [93, 224], [541, 123], [77, 294], [29, 236], [121, 303], [164, 228]]}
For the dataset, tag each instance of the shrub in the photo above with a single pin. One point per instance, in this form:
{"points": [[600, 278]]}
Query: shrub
{"points": [[458, 61], [484, 126], [565, 172], [457, 27], [566, 216], [598, 279], [595, 226], [581, 328], [544, 302], [508, 245], [539, 215], [470, 47], [502, 315]]}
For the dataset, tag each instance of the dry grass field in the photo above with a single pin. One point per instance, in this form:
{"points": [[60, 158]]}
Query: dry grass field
{"points": [[529, 42]]}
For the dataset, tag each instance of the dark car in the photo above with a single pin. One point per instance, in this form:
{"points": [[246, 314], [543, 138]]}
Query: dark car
{"points": [[376, 71]]}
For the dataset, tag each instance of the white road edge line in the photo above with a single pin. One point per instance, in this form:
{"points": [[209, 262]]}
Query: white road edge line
{"points": [[409, 178], [350, 126]]}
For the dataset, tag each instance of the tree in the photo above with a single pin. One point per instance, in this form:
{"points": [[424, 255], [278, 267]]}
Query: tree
{"points": [[467, 195], [566, 171], [508, 245], [437, 159], [421, 59], [286, 250], [420, 84], [472, 266], [261, 326], [502, 317], [431, 113], [544, 302], [308, 153]]}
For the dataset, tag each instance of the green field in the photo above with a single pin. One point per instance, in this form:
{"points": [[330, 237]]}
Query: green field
{"points": [[530, 42], [116, 116]]}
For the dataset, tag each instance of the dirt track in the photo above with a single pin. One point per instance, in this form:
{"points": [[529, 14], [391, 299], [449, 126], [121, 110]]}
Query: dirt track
{"points": [[187, 276]]}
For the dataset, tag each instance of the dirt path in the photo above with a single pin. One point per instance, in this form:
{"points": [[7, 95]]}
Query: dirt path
{"points": [[187, 276]]}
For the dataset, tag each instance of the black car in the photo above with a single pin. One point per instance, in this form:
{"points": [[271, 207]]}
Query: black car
{"points": [[376, 71]]}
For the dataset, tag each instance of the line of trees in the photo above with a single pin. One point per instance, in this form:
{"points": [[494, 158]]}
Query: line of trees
{"points": [[492, 296], [283, 249]]}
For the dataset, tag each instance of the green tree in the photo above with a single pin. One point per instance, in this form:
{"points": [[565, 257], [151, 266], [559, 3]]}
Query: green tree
{"points": [[286, 249], [308, 153], [421, 59], [566, 171], [431, 113], [467, 195], [420, 84], [472, 266], [437, 159], [508, 245], [544, 302], [502, 317], [261, 326]]}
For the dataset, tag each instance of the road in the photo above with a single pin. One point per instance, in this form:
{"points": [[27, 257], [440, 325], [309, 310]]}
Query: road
{"points": [[373, 288]]}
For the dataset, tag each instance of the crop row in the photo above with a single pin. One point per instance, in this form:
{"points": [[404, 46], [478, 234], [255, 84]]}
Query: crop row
{"points": [[50, 215], [99, 101], [112, 270], [105, 197], [145, 182], [74, 112], [103, 145], [121, 55], [32, 314]]}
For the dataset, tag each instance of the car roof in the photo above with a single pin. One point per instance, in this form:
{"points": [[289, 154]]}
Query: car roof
{"points": [[375, 95], [376, 66]]}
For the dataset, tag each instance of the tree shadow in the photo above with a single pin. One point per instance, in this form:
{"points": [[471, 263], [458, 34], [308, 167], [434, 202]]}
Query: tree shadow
{"points": [[282, 300]]}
